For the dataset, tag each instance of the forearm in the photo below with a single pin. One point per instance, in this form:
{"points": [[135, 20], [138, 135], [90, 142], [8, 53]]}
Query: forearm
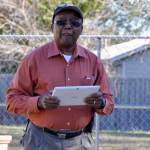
{"points": [[21, 104]]}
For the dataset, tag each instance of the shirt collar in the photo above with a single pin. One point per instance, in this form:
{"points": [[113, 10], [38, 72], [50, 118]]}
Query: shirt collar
{"points": [[54, 51], [80, 51]]}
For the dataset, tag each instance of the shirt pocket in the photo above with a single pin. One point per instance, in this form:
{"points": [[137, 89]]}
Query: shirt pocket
{"points": [[87, 80]]}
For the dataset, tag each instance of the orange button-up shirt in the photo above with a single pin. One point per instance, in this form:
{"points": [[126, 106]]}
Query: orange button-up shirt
{"points": [[45, 68]]}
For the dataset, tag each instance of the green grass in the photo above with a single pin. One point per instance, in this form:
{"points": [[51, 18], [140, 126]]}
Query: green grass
{"points": [[110, 140], [118, 140]]}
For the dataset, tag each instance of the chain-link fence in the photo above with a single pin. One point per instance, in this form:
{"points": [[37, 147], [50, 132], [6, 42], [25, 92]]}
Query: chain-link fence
{"points": [[127, 64]]}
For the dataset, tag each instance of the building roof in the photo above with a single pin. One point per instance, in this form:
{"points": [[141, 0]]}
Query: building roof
{"points": [[119, 51]]}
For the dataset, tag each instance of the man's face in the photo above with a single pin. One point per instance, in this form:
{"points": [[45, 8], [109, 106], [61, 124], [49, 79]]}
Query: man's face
{"points": [[66, 28]]}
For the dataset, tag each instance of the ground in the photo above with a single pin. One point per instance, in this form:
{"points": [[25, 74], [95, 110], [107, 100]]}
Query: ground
{"points": [[109, 140]]}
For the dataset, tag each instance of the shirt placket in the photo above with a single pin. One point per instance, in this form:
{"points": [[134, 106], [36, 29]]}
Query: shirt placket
{"points": [[68, 74]]}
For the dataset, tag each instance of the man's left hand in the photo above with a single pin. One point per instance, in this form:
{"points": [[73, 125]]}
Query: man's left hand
{"points": [[96, 100]]}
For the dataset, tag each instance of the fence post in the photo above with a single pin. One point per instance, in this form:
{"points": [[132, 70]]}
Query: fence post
{"points": [[99, 44]]}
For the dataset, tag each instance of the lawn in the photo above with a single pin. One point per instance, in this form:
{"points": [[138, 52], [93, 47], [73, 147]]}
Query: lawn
{"points": [[108, 140]]}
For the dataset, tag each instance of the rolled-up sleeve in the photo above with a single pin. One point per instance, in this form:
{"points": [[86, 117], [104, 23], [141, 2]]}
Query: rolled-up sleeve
{"points": [[19, 96], [102, 80]]}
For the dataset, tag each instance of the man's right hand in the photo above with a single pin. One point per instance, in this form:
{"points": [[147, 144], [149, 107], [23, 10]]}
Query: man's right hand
{"points": [[47, 101]]}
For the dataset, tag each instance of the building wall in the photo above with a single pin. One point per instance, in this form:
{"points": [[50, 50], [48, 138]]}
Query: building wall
{"points": [[135, 66]]}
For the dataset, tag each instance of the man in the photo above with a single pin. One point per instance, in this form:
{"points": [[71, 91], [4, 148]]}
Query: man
{"points": [[61, 62]]}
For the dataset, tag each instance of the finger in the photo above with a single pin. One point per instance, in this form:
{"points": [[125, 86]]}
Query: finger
{"points": [[51, 104], [95, 95], [52, 101], [50, 92], [90, 100], [93, 102], [98, 94], [47, 96]]}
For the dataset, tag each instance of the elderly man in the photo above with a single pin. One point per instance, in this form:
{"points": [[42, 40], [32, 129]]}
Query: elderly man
{"points": [[61, 62]]}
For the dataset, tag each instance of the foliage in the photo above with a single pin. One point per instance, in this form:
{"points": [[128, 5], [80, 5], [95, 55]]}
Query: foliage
{"points": [[45, 9], [16, 16], [123, 17], [101, 16]]}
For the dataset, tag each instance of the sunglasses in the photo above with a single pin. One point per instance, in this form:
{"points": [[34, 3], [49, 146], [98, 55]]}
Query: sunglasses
{"points": [[73, 23]]}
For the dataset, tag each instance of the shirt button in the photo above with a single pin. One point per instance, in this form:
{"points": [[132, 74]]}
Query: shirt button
{"points": [[68, 123], [69, 109], [68, 79]]}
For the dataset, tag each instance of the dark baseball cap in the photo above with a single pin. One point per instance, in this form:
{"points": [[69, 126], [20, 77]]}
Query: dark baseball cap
{"points": [[64, 7]]}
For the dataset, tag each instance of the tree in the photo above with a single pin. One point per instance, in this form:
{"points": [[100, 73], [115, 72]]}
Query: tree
{"points": [[101, 16], [45, 8], [122, 17], [16, 16]]}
